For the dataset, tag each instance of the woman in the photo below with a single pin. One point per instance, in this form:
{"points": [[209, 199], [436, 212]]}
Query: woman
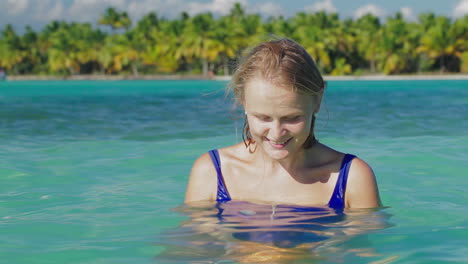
{"points": [[280, 162]]}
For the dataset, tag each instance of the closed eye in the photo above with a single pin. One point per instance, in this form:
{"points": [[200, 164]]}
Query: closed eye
{"points": [[263, 118], [293, 118]]}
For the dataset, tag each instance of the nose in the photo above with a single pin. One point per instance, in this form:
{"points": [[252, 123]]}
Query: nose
{"points": [[277, 131]]}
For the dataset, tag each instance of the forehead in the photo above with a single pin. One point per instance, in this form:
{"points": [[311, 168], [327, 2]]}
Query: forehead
{"points": [[262, 95]]}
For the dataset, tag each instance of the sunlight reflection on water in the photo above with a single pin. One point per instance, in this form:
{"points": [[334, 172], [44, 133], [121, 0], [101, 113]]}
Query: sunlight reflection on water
{"points": [[244, 232]]}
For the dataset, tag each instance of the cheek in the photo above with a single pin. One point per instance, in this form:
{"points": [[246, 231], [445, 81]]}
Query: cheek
{"points": [[299, 128], [257, 127]]}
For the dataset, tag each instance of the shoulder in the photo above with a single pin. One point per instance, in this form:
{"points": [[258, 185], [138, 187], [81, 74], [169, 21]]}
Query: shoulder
{"points": [[238, 151], [361, 189], [203, 180]]}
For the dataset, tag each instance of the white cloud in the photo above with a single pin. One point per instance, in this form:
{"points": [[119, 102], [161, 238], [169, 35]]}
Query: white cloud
{"points": [[16, 7], [461, 8], [369, 9], [325, 5], [56, 12], [269, 9], [90, 10], [47, 11], [25, 12], [37, 13], [215, 6], [407, 13], [172, 8]]}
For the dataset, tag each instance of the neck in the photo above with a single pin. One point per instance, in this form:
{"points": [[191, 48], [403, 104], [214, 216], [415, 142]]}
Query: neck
{"points": [[292, 164]]}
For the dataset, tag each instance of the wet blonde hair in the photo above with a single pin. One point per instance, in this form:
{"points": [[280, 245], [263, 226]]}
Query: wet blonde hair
{"points": [[284, 63]]}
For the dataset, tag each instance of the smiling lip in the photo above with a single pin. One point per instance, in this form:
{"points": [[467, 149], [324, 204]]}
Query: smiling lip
{"points": [[278, 144]]}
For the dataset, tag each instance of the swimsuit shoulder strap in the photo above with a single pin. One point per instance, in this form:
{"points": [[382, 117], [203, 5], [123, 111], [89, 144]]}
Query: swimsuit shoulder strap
{"points": [[222, 194], [337, 200]]}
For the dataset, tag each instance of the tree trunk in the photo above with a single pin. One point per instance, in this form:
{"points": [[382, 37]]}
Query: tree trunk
{"points": [[226, 66], [205, 67], [134, 69], [372, 65], [442, 64]]}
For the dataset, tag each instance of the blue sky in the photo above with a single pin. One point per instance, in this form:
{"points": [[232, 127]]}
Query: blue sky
{"points": [[37, 13]]}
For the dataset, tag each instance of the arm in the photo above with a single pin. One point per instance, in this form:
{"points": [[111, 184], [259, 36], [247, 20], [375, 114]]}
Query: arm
{"points": [[361, 190], [203, 181]]}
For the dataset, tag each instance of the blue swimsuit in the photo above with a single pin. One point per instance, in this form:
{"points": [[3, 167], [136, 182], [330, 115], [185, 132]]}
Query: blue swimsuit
{"points": [[337, 198]]}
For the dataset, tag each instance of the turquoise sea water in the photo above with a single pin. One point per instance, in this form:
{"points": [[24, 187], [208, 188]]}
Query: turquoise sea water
{"points": [[95, 172]]}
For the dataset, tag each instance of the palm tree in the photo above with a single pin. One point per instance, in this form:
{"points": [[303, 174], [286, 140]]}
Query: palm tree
{"points": [[72, 46], [114, 19], [61, 53], [11, 53], [459, 29], [119, 54], [226, 42], [34, 58], [442, 41], [278, 26], [395, 46], [206, 42], [426, 20], [341, 67], [166, 52], [197, 40], [313, 40], [341, 44], [148, 23], [367, 28]]}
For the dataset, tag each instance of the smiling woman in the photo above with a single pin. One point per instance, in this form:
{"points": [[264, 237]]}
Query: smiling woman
{"points": [[280, 161], [278, 118]]}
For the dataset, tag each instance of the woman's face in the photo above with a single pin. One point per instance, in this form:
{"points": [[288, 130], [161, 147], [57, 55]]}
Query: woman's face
{"points": [[279, 118]]}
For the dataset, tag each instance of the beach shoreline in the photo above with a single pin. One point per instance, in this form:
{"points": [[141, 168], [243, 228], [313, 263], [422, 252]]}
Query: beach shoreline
{"points": [[94, 77]]}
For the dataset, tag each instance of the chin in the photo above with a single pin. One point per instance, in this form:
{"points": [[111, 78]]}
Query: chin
{"points": [[277, 154], [281, 153]]}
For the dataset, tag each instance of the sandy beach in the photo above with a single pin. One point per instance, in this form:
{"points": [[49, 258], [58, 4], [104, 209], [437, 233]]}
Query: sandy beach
{"points": [[227, 78]]}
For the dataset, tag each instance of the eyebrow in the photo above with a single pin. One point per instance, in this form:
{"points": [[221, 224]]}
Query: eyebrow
{"points": [[289, 114]]}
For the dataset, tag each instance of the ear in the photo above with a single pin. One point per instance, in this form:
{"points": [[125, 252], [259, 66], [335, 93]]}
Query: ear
{"points": [[243, 109]]}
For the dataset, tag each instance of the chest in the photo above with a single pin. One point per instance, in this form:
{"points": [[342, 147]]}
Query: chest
{"points": [[311, 187]]}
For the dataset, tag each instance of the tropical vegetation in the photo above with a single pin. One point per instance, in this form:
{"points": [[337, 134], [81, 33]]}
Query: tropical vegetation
{"points": [[207, 44]]}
